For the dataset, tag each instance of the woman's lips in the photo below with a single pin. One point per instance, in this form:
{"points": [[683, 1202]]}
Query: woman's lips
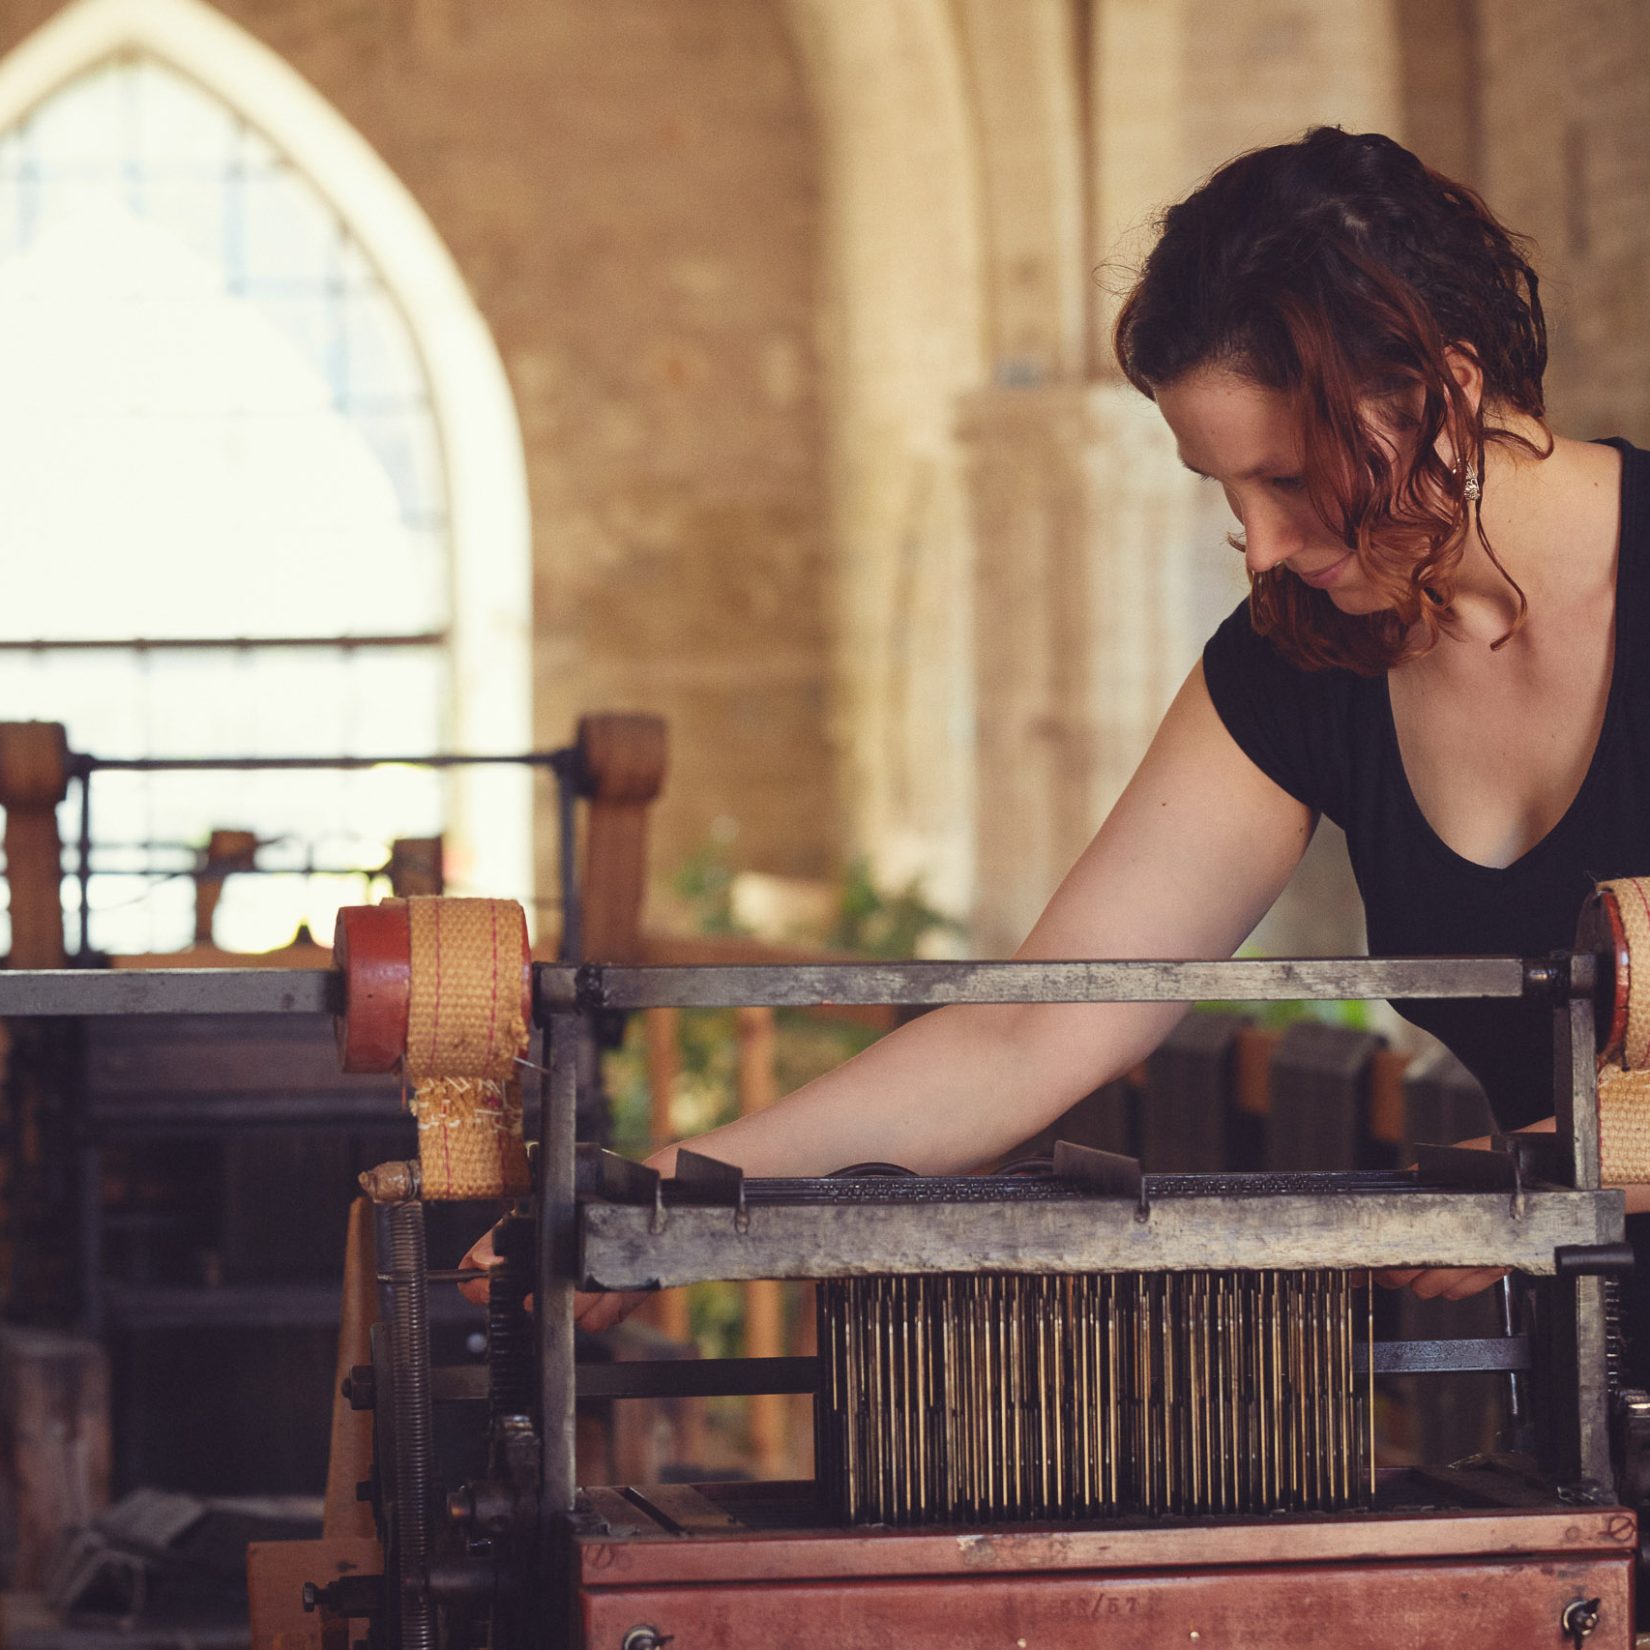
{"points": [[1326, 576]]}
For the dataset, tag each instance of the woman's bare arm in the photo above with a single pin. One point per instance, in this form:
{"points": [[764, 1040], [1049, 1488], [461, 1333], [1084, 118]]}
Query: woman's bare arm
{"points": [[1193, 854]]}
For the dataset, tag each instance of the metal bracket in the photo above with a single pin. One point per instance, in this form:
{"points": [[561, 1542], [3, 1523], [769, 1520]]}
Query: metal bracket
{"points": [[1469, 1168], [709, 1180], [1108, 1173], [604, 1174]]}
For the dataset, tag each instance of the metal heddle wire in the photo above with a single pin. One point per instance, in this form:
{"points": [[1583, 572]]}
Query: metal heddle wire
{"points": [[981, 1398]]}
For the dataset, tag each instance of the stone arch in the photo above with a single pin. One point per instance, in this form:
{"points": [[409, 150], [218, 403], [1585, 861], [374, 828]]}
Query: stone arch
{"points": [[469, 394], [1026, 82]]}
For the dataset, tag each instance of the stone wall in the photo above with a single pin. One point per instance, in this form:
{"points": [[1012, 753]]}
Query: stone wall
{"points": [[1565, 91], [799, 304]]}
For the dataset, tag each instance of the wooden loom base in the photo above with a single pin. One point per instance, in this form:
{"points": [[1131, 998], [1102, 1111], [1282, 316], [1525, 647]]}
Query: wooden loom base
{"points": [[1476, 1579]]}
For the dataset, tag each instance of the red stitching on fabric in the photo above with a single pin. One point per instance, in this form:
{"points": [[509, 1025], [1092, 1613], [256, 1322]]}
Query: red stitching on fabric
{"points": [[435, 1006], [492, 1006]]}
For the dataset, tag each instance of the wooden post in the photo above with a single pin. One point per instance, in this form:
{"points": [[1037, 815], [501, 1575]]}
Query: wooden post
{"points": [[623, 761], [226, 852], [349, 1458], [1386, 1096], [54, 1442], [1255, 1048], [276, 1572], [417, 866], [765, 1297], [34, 778]]}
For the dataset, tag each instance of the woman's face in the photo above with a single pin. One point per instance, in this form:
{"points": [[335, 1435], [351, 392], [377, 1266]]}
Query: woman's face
{"points": [[1243, 436]]}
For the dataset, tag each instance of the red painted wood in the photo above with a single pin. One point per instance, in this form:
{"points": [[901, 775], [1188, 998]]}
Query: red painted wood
{"points": [[828, 1554], [1485, 1604], [372, 948], [1599, 930]]}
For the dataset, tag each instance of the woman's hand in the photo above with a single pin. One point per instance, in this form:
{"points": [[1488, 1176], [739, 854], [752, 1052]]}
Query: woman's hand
{"points": [[594, 1312], [1449, 1283]]}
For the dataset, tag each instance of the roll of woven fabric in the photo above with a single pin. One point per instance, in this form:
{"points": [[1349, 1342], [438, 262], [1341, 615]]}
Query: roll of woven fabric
{"points": [[1624, 1074], [467, 1026]]}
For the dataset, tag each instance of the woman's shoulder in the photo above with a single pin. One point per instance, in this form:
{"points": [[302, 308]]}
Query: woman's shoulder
{"points": [[1295, 724], [1239, 653]]}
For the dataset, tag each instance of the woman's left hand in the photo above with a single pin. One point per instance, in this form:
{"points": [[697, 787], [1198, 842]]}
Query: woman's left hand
{"points": [[1448, 1283]]}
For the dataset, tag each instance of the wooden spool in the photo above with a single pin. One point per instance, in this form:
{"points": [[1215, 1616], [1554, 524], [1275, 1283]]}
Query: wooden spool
{"points": [[372, 949], [1599, 931]]}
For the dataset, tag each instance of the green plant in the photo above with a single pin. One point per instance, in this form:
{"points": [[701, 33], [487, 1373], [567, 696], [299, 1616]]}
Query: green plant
{"points": [[704, 884], [882, 923], [869, 921], [1350, 1013]]}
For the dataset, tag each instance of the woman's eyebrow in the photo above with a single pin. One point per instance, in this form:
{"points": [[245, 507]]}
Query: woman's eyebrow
{"points": [[1251, 474]]}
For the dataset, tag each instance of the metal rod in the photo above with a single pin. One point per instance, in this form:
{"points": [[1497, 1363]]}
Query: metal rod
{"points": [[656, 1378], [262, 764], [1575, 1084], [1494, 1353], [197, 872], [414, 1423], [215, 644], [556, 1266], [78, 992], [75, 992], [1508, 1305], [570, 947], [1238, 979]]}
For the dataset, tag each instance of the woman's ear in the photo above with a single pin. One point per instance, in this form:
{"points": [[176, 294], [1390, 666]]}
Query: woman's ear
{"points": [[1469, 377], [1465, 370]]}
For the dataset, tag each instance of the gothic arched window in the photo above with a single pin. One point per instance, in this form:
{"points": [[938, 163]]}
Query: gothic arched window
{"points": [[225, 498]]}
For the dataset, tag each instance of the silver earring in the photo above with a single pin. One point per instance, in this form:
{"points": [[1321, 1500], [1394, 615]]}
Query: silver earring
{"points": [[1470, 489]]}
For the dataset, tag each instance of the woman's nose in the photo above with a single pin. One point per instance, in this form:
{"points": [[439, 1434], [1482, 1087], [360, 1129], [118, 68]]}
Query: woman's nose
{"points": [[1267, 541]]}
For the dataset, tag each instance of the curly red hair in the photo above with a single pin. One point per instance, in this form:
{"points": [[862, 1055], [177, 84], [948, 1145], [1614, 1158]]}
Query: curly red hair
{"points": [[1341, 271]]}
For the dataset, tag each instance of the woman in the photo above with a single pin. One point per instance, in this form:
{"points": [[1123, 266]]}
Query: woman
{"points": [[1440, 651]]}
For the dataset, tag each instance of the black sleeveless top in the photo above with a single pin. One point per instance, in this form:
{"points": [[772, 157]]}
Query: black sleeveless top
{"points": [[1327, 737]]}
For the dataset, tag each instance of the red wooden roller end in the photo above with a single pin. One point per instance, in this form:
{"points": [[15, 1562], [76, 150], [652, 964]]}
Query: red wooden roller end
{"points": [[1599, 931], [372, 949]]}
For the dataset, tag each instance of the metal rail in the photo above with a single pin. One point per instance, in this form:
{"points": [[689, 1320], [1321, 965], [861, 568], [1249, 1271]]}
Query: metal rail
{"points": [[932, 983], [627, 1247], [76, 992], [279, 764], [83, 991]]}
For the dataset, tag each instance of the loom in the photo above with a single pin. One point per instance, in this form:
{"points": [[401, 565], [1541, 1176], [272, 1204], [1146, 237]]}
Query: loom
{"points": [[1074, 1404]]}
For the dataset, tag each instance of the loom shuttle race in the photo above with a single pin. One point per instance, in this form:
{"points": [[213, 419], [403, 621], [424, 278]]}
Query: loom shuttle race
{"points": [[1072, 1405]]}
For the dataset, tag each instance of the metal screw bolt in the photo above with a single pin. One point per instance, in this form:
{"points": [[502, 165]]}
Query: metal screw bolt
{"points": [[1580, 1617], [645, 1638]]}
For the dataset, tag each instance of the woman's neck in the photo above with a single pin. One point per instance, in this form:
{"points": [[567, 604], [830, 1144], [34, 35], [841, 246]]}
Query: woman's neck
{"points": [[1539, 514]]}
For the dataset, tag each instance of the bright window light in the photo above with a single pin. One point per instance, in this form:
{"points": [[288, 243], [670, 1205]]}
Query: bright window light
{"points": [[215, 430]]}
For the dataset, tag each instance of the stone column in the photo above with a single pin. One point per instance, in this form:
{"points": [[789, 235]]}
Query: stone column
{"points": [[1082, 525]]}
